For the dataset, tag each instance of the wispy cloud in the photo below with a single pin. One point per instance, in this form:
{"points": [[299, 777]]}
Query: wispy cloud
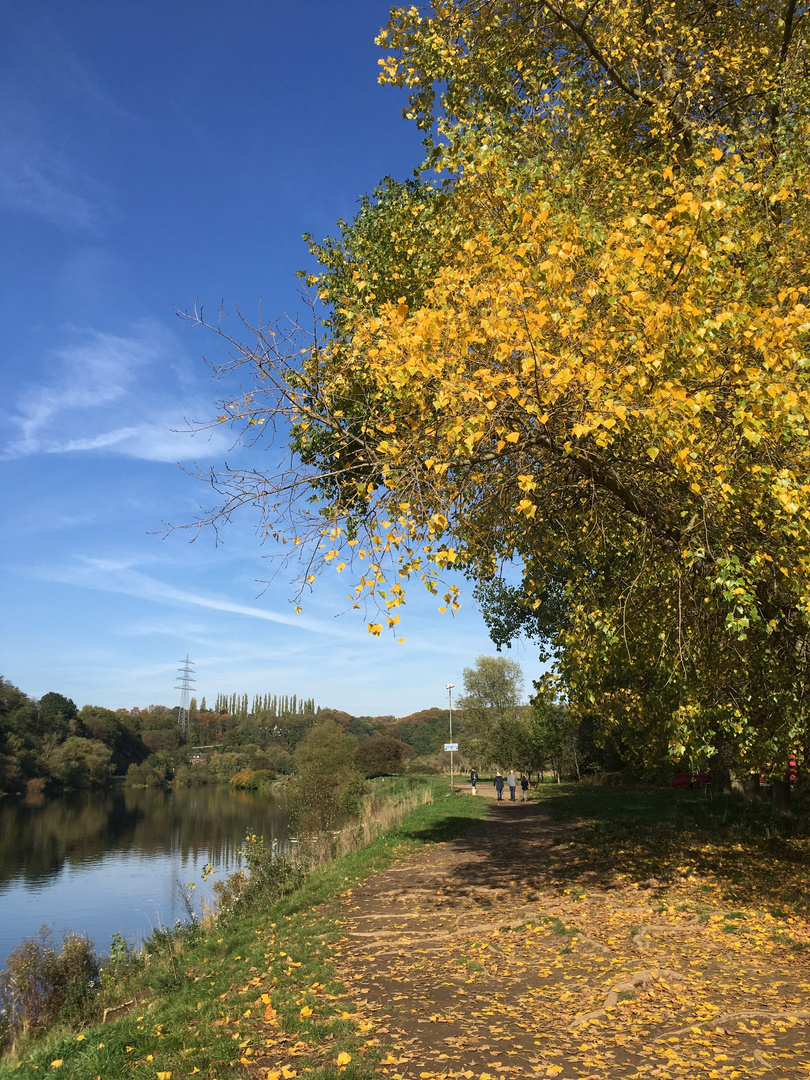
{"points": [[45, 94], [39, 180], [29, 519], [110, 393], [119, 576]]}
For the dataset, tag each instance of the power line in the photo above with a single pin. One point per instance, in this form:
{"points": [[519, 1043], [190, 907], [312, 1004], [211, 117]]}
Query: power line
{"points": [[185, 684]]}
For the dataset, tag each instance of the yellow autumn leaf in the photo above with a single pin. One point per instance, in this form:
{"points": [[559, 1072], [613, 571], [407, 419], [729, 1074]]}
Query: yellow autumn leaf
{"points": [[343, 1058]]}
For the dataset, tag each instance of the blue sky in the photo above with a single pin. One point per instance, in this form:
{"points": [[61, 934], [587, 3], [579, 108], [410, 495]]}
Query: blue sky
{"points": [[155, 154]]}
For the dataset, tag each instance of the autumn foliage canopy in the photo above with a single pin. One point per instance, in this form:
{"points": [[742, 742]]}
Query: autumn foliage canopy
{"points": [[576, 347]]}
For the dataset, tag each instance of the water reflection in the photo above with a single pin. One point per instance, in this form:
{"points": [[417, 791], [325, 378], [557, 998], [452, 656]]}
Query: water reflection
{"points": [[100, 862]]}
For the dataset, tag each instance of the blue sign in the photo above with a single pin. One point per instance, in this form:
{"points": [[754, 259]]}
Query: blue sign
{"points": [[451, 746]]}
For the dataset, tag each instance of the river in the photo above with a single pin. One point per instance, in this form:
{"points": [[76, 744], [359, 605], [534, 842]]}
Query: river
{"points": [[100, 863]]}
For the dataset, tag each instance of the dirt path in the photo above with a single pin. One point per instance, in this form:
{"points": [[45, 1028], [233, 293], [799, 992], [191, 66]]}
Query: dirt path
{"points": [[487, 956]]}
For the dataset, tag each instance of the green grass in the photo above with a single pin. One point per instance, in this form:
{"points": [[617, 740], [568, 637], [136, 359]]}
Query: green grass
{"points": [[203, 1008]]}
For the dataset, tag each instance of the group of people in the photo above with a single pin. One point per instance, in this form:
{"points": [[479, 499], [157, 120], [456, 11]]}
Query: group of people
{"points": [[511, 782]]}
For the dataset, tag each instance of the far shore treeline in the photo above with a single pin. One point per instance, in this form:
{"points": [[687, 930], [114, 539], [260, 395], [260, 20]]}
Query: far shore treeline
{"points": [[50, 745]]}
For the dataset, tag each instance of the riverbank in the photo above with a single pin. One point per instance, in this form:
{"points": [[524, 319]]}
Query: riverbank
{"points": [[200, 1001], [590, 933], [117, 862]]}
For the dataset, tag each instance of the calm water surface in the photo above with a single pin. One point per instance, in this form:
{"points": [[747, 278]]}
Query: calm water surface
{"points": [[98, 863]]}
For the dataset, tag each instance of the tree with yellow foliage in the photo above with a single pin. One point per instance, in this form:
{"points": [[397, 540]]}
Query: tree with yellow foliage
{"points": [[582, 351]]}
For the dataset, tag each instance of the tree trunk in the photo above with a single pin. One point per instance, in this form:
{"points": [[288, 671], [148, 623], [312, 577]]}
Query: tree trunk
{"points": [[802, 797], [721, 778], [751, 788], [746, 787], [721, 768], [780, 799]]}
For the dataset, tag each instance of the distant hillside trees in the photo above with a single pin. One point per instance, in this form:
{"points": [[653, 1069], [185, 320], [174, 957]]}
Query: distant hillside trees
{"points": [[79, 763], [53, 744], [265, 719], [426, 731]]}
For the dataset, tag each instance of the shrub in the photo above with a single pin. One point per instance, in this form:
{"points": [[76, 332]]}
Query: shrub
{"points": [[35, 789], [193, 776], [382, 755], [273, 874], [427, 765], [251, 779], [80, 763], [280, 762], [40, 984], [227, 892]]}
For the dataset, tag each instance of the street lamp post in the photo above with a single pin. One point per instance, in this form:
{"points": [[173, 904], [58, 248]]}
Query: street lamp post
{"points": [[449, 689]]}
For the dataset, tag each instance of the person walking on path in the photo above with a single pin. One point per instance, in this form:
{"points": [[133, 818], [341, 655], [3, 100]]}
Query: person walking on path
{"points": [[473, 781], [512, 782], [524, 786], [498, 785]]}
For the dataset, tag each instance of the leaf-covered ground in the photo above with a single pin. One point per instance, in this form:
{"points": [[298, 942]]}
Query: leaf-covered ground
{"points": [[522, 949]]}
